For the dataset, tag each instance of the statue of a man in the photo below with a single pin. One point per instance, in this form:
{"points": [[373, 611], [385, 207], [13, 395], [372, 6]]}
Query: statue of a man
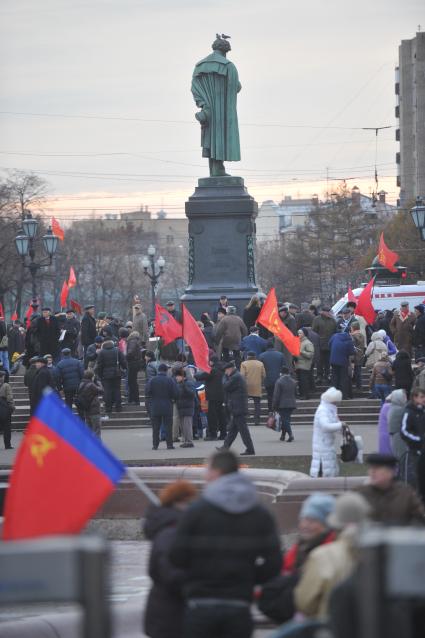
{"points": [[215, 85]]}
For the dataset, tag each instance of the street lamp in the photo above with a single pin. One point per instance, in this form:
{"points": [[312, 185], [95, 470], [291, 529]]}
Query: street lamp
{"points": [[418, 216], [156, 270], [25, 246]]}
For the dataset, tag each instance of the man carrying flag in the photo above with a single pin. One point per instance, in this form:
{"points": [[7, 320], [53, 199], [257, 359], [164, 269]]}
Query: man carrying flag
{"points": [[269, 318]]}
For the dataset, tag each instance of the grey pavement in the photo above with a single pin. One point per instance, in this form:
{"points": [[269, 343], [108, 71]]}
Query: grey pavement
{"points": [[136, 444]]}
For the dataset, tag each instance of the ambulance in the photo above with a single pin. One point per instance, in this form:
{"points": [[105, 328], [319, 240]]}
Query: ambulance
{"points": [[389, 297]]}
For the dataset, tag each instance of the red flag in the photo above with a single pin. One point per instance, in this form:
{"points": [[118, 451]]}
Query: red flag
{"points": [[14, 316], [166, 326], [64, 294], [364, 303], [76, 306], [269, 318], [194, 337], [386, 257], [351, 296], [1, 310], [72, 279], [57, 230], [61, 476], [28, 314]]}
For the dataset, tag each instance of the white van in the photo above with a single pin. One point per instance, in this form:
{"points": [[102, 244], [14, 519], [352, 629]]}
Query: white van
{"points": [[389, 297]]}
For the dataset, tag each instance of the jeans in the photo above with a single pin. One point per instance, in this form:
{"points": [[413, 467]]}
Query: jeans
{"points": [[187, 428], [216, 419], [237, 426], [257, 407], [4, 358], [112, 393], [69, 397], [382, 391], [285, 418], [156, 425], [93, 422], [218, 621]]}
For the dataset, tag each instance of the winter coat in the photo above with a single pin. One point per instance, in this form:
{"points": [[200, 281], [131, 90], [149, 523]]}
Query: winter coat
{"points": [[29, 376], [92, 352], [250, 316], [374, 350], [208, 333], [315, 340], [342, 347], [395, 416], [70, 373], [380, 371], [88, 330], [164, 609], [253, 343], [3, 333], [230, 332], [419, 331], [413, 427], [213, 383], [134, 349], [326, 425], [48, 332], [16, 341], [284, 393], [6, 393], [226, 541], [325, 567], [359, 347], [151, 369], [273, 362], [306, 356], [110, 361], [235, 394], [384, 443], [161, 390], [402, 330], [325, 328], [403, 373], [185, 398], [254, 374], [90, 393], [390, 345], [72, 328], [397, 505], [42, 379], [140, 325], [304, 319]]}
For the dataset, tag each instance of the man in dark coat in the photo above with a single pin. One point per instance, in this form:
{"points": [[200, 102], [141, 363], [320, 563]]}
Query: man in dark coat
{"points": [[214, 394], [419, 332], [161, 391], [342, 348], [236, 397], [48, 333], [273, 362], [325, 326], [72, 328], [284, 402], [16, 339], [88, 327], [226, 542], [70, 372], [42, 379], [253, 342], [110, 363]]}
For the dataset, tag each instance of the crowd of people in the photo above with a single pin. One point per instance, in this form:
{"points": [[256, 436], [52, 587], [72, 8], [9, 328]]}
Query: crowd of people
{"points": [[217, 553]]}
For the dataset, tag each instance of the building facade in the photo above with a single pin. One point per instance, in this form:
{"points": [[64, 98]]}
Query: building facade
{"points": [[410, 112]]}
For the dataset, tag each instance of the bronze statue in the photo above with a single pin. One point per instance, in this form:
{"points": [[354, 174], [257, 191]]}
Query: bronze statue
{"points": [[215, 85]]}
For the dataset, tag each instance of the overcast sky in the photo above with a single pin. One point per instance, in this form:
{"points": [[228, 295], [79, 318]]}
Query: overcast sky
{"points": [[306, 64]]}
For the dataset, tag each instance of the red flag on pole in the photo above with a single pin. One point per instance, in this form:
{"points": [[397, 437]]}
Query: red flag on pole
{"points": [[14, 316], [76, 306], [350, 295], [364, 303], [166, 326], [28, 314], [386, 257], [64, 294], [62, 460], [57, 230], [1, 310], [269, 318], [194, 337], [72, 279]]}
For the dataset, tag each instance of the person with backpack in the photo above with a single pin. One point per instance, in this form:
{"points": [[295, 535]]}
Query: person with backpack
{"points": [[7, 406], [87, 401], [381, 378]]}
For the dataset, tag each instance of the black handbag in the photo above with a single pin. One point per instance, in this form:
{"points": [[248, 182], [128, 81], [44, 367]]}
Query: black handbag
{"points": [[349, 449], [277, 598]]}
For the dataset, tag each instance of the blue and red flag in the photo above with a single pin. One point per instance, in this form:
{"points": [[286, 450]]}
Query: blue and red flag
{"points": [[62, 475]]}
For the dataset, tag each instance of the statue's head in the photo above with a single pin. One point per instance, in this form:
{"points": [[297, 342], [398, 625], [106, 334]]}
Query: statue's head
{"points": [[221, 44]]}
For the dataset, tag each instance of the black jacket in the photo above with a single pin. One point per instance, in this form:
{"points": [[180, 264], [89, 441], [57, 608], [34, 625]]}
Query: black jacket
{"points": [[403, 373], [110, 360], [250, 316], [42, 379], [134, 350], [88, 330], [48, 334], [72, 327], [419, 331], [213, 383], [235, 393], [186, 398], [89, 393], [284, 393], [413, 427], [226, 542], [165, 605], [70, 372], [162, 391]]}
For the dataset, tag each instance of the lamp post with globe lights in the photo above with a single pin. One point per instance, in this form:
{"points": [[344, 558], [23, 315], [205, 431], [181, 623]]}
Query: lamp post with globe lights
{"points": [[418, 216], [153, 270]]}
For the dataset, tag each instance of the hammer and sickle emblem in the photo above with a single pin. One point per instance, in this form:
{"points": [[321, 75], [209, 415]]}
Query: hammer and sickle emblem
{"points": [[39, 447], [274, 321]]}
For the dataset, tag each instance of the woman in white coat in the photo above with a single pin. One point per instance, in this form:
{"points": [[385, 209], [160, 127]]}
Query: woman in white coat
{"points": [[326, 424]]}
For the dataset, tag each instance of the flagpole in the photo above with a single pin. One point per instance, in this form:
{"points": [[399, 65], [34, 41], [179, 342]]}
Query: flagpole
{"points": [[150, 495]]}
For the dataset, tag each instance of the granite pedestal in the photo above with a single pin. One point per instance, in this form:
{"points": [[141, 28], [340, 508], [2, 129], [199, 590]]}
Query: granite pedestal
{"points": [[221, 217]]}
